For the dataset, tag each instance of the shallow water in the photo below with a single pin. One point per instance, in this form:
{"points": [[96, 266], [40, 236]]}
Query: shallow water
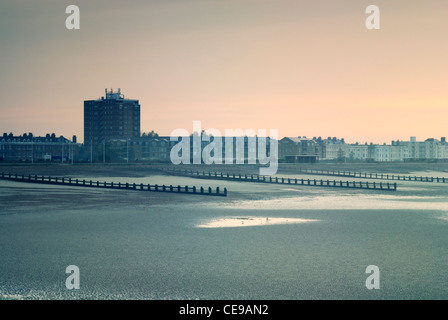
{"points": [[128, 247]]}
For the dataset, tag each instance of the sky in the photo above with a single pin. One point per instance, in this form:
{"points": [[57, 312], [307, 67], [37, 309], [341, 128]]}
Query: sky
{"points": [[305, 68]]}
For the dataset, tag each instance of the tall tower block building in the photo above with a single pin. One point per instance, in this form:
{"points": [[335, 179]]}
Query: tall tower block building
{"points": [[110, 117]]}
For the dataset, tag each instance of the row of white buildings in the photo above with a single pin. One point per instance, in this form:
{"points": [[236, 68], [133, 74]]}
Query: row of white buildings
{"points": [[412, 150]]}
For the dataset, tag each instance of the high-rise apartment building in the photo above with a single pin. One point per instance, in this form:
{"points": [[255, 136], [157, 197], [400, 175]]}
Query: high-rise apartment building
{"points": [[110, 117]]}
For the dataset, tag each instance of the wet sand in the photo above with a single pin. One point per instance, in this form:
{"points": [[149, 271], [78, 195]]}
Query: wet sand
{"points": [[148, 245]]}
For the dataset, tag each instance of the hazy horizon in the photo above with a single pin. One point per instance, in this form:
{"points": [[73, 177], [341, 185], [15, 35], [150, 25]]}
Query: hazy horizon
{"points": [[304, 68]]}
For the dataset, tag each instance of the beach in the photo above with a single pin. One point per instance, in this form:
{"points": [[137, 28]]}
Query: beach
{"points": [[262, 241]]}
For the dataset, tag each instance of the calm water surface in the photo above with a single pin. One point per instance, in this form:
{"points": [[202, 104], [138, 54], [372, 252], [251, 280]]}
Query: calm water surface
{"points": [[158, 251]]}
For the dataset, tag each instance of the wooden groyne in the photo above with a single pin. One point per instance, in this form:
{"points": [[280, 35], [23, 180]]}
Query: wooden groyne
{"points": [[282, 180], [114, 185], [369, 175]]}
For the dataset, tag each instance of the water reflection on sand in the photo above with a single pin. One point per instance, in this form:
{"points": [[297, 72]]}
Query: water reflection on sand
{"points": [[249, 222]]}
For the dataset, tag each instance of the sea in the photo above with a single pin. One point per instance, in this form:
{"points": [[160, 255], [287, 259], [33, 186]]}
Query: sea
{"points": [[262, 241]]}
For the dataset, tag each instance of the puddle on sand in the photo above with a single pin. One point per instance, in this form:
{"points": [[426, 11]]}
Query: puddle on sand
{"points": [[250, 222]]}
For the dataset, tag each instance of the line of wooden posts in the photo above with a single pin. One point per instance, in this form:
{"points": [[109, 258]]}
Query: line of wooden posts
{"points": [[114, 185], [282, 180], [370, 175]]}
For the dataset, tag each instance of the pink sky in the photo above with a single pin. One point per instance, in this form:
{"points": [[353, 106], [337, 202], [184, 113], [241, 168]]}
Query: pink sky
{"points": [[306, 68]]}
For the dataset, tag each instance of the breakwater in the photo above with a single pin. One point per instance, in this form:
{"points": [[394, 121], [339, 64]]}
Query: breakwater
{"points": [[283, 180], [208, 191]]}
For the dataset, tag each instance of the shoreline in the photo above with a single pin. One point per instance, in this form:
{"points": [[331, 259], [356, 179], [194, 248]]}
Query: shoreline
{"points": [[141, 170]]}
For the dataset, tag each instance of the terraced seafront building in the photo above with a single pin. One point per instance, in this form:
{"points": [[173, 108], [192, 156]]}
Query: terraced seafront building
{"points": [[31, 148], [301, 149]]}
